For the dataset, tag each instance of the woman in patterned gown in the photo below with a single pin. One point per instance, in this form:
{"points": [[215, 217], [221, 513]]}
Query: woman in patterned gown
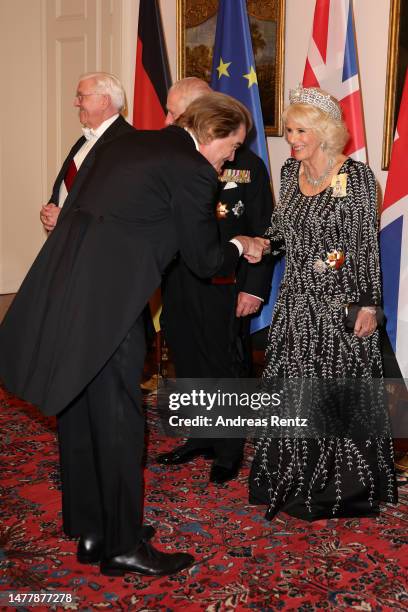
{"points": [[326, 222]]}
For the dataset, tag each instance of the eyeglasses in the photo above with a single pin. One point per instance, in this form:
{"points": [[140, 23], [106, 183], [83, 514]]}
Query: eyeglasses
{"points": [[80, 97]]}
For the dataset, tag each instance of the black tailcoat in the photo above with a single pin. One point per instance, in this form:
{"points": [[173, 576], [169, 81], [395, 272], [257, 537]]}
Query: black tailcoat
{"points": [[118, 128], [147, 196]]}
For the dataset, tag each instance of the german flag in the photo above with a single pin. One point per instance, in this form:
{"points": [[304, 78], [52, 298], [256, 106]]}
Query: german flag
{"points": [[152, 75], [152, 81]]}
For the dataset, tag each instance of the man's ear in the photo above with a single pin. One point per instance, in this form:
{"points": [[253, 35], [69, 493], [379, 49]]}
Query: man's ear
{"points": [[106, 101]]}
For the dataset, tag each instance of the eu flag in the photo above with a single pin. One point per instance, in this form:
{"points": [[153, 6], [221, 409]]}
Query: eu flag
{"points": [[233, 69], [233, 73]]}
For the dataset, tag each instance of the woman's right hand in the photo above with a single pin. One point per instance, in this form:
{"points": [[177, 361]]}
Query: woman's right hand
{"points": [[366, 323]]}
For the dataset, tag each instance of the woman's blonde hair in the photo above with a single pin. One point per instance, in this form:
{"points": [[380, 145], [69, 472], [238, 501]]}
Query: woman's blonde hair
{"points": [[215, 115], [333, 133]]}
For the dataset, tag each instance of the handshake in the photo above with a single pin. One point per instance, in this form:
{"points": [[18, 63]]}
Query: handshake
{"points": [[254, 248]]}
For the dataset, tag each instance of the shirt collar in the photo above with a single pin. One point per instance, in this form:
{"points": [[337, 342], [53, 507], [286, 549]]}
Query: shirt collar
{"points": [[194, 139], [95, 133]]}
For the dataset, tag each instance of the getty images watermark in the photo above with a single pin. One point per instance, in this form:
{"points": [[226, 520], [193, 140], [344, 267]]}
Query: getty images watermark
{"points": [[220, 400], [307, 408], [224, 408]]}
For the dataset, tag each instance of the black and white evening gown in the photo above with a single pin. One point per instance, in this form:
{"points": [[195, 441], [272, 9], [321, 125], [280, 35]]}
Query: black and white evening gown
{"points": [[335, 474]]}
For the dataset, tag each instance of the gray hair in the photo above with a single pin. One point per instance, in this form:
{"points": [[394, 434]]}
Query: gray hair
{"points": [[190, 88], [108, 84]]}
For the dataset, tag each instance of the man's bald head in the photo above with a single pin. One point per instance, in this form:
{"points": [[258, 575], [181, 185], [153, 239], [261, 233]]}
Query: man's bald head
{"points": [[181, 94]]}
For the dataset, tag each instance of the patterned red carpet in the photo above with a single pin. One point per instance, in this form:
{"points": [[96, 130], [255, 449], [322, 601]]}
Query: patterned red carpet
{"points": [[243, 561]]}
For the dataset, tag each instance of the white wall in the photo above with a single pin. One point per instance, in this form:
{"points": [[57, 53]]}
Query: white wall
{"points": [[21, 169]]}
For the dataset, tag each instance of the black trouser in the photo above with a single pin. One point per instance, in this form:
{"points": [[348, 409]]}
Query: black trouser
{"points": [[101, 436], [207, 341]]}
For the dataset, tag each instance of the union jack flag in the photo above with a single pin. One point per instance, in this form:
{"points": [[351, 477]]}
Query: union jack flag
{"points": [[394, 240], [332, 65]]}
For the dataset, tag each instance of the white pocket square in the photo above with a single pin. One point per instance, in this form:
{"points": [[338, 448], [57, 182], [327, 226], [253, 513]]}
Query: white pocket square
{"points": [[230, 185]]}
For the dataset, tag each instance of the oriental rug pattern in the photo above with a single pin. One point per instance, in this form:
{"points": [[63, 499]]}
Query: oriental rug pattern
{"points": [[243, 561]]}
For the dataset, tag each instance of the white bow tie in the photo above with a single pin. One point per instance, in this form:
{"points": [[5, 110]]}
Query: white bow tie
{"points": [[89, 133]]}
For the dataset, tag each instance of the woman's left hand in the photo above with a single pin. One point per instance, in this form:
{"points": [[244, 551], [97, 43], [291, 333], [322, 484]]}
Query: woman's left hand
{"points": [[366, 324]]}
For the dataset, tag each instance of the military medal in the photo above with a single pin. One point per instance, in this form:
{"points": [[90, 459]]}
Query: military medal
{"points": [[238, 208], [230, 175], [221, 210]]}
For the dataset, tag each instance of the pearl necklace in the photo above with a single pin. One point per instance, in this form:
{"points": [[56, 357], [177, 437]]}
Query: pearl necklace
{"points": [[316, 182]]}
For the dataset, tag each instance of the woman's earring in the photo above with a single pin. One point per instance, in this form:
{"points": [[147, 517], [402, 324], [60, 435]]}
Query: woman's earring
{"points": [[323, 146]]}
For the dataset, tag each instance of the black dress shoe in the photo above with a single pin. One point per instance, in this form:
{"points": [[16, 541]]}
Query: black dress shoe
{"points": [[146, 560], [220, 474], [89, 549], [184, 454]]}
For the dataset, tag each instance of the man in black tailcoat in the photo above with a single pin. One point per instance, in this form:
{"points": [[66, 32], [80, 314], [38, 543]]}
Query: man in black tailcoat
{"points": [[206, 321], [72, 342]]}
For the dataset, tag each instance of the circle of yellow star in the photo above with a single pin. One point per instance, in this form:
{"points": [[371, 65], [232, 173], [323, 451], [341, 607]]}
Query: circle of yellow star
{"points": [[223, 68], [252, 78]]}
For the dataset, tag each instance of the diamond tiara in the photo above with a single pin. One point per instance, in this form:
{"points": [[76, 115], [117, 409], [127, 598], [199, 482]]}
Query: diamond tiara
{"points": [[310, 95]]}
